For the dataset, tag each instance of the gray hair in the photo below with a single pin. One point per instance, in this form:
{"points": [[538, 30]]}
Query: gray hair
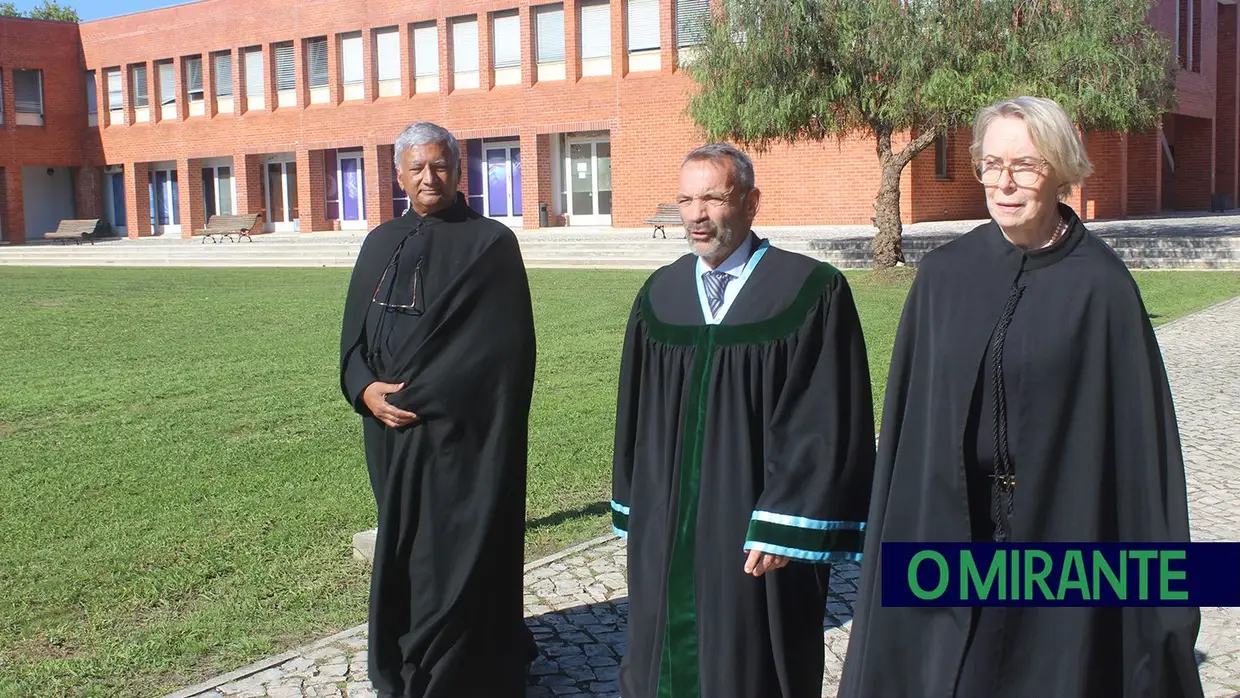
{"points": [[425, 133], [1050, 129], [742, 166]]}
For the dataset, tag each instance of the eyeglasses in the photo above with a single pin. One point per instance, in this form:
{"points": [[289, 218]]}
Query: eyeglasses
{"points": [[415, 305], [1024, 173]]}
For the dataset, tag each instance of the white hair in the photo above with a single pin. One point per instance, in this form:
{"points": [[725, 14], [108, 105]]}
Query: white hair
{"points": [[1050, 129], [425, 133]]}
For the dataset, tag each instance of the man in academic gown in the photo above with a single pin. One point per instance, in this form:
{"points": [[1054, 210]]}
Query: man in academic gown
{"points": [[743, 454], [437, 355], [1026, 402]]}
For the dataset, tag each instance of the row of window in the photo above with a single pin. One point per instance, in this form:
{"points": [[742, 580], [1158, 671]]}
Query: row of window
{"points": [[594, 22]]}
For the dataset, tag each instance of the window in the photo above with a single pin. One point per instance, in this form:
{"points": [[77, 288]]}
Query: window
{"points": [[28, 91], [1194, 46], [140, 87], [254, 83], [193, 78], [1, 96], [692, 21], [286, 73], [351, 59], [506, 39], [465, 46], [426, 50], [549, 30], [116, 93], [167, 84], [92, 98], [217, 191], [316, 56], [223, 75], [387, 54], [940, 157], [643, 23], [595, 30]]}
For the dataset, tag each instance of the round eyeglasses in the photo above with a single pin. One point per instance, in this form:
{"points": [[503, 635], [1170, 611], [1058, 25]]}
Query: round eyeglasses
{"points": [[1024, 173]]}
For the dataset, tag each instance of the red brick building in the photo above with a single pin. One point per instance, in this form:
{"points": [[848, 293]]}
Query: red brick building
{"points": [[156, 120]]}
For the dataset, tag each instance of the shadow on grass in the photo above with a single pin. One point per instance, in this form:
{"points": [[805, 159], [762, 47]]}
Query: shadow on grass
{"points": [[595, 509]]}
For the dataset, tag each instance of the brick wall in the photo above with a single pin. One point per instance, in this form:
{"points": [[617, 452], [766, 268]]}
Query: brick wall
{"points": [[1144, 173], [1103, 191], [1190, 185], [62, 140], [1227, 130], [643, 112], [956, 196]]}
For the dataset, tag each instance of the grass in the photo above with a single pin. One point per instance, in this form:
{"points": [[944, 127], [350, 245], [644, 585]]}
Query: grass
{"points": [[182, 477]]}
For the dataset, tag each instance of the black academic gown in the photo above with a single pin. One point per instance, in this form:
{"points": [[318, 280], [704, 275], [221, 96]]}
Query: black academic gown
{"points": [[446, 616], [1090, 432], [759, 431]]}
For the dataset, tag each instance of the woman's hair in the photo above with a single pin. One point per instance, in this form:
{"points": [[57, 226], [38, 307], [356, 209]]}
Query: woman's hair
{"points": [[1051, 130]]}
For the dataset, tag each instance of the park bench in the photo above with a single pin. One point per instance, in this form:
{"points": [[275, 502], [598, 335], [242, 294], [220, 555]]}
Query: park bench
{"points": [[77, 230], [668, 214], [220, 228]]}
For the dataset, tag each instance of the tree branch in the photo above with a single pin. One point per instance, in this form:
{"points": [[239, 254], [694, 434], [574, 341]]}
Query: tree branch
{"points": [[915, 146]]}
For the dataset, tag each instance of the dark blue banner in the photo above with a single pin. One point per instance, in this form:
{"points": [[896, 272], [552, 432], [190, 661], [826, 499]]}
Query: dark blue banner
{"points": [[1061, 574]]}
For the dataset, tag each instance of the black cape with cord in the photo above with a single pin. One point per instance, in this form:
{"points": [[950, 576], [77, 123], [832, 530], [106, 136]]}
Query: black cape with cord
{"points": [[1092, 438], [446, 614], [755, 432]]}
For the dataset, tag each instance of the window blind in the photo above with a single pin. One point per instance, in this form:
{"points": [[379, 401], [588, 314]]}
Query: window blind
{"points": [[465, 45], [193, 78], [316, 57], [141, 86], [387, 51], [506, 40], [286, 69], [351, 59], [595, 30], [426, 50], [550, 33], [167, 84], [254, 82], [28, 91], [692, 21], [223, 75], [643, 24], [115, 92]]}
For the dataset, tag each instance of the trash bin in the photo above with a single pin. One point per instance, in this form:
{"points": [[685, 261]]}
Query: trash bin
{"points": [[542, 215]]}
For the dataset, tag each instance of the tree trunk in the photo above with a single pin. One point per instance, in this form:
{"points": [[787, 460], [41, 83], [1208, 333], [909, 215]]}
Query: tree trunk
{"points": [[887, 248], [886, 244]]}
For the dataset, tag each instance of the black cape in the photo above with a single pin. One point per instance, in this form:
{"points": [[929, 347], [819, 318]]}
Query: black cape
{"points": [[446, 615], [755, 432], [1093, 442]]}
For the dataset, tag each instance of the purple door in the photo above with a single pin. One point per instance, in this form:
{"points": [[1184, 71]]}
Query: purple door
{"points": [[503, 181], [351, 188], [497, 182]]}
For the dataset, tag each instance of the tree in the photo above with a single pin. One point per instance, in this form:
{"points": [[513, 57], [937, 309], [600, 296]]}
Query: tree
{"points": [[772, 71], [8, 9], [50, 9]]}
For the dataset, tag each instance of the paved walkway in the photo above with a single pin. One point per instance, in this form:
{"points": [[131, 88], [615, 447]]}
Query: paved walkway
{"points": [[575, 601]]}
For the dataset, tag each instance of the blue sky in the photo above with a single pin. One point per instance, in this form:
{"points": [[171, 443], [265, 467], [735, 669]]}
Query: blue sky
{"points": [[98, 9]]}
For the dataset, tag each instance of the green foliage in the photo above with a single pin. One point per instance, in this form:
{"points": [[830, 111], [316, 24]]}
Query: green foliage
{"points": [[50, 9], [812, 69], [8, 9]]}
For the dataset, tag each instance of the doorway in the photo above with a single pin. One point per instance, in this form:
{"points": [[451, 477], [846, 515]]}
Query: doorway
{"points": [[165, 202], [280, 187], [587, 167]]}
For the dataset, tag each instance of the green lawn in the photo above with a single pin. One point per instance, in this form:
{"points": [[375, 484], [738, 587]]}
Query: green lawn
{"points": [[182, 478]]}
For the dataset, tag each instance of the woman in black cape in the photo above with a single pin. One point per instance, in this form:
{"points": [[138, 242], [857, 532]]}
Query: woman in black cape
{"points": [[1027, 401]]}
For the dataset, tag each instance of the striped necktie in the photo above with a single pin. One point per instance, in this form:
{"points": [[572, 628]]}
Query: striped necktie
{"points": [[715, 282]]}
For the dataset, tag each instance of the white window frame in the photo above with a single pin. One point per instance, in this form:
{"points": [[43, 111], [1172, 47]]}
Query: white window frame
{"points": [[598, 14], [637, 39], [216, 73], [506, 39], [232, 181], [313, 46], [541, 29]]}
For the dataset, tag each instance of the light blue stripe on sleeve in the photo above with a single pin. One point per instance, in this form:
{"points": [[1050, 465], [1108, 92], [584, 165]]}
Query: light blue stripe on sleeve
{"points": [[620, 532], [802, 522], [797, 553], [616, 506]]}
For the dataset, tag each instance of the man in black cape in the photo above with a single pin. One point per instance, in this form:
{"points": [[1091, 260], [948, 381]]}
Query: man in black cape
{"points": [[437, 354], [743, 454], [1097, 454]]}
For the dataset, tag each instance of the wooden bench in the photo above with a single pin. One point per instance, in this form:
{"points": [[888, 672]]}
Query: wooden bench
{"points": [[77, 230], [668, 214], [219, 228]]}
